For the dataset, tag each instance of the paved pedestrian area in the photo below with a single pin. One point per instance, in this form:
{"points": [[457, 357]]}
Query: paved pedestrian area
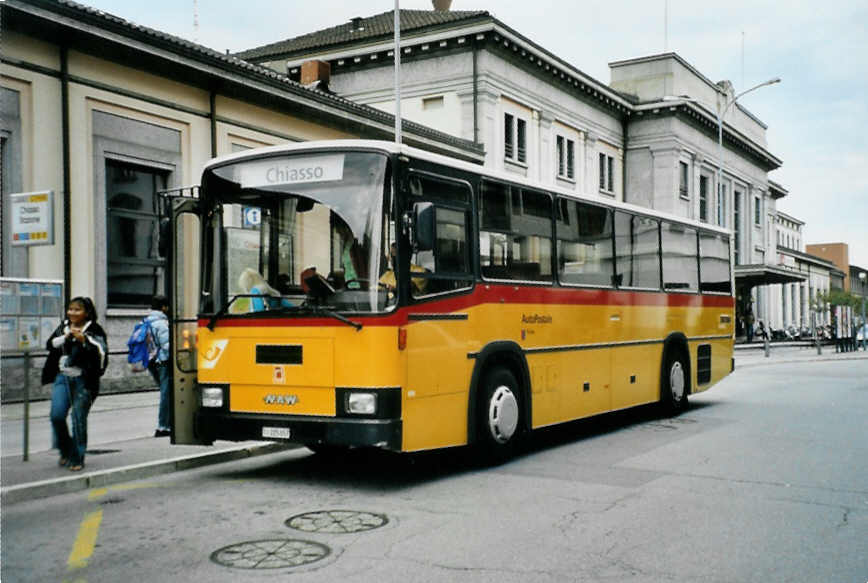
{"points": [[121, 446]]}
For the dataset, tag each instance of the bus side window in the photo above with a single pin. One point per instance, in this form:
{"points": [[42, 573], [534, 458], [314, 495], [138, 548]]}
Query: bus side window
{"points": [[515, 238], [584, 244], [714, 272], [447, 266], [680, 257], [637, 251]]}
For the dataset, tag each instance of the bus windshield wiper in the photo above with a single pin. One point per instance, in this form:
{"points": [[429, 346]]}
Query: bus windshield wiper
{"points": [[323, 311], [220, 313]]}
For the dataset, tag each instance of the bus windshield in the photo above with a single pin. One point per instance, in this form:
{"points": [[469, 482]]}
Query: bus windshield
{"points": [[288, 232]]}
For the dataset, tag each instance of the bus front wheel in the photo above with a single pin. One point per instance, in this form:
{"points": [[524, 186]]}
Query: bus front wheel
{"points": [[499, 416], [675, 383]]}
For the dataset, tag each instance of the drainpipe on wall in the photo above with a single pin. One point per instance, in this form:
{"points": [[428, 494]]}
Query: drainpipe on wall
{"points": [[67, 228], [475, 93], [213, 102], [624, 125]]}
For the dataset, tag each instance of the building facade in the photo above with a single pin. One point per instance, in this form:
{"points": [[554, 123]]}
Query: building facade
{"points": [[795, 305], [99, 114], [648, 137]]}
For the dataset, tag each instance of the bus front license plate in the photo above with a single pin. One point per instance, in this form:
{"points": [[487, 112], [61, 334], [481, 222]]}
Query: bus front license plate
{"points": [[275, 432]]}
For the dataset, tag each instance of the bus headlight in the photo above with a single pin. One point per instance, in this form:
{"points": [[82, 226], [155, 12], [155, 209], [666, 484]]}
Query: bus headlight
{"points": [[362, 403], [212, 397]]}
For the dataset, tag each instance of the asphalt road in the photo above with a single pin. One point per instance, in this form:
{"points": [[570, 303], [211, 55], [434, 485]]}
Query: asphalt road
{"points": [[764, 479]]}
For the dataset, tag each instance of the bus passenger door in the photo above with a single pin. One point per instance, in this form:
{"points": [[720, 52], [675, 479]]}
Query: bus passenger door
{"points": [[438, 334], [183, 273]]}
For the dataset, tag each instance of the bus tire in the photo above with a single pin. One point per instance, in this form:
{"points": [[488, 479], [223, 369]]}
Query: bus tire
{"points": [[675, 382], [499, 416]]}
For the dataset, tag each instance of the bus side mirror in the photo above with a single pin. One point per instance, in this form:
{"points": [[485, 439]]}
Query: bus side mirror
{"points": [[423, 226]]}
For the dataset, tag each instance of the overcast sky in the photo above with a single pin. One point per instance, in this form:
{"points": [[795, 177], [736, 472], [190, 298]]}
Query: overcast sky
{"points": [[817, 117]]}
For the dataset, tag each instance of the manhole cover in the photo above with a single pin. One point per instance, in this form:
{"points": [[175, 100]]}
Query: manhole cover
{"points": [[270, 554], [337, 521]]}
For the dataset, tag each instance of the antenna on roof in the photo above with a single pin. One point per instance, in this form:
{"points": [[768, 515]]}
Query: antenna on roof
{"points": [[666, 26], [195, 21]]}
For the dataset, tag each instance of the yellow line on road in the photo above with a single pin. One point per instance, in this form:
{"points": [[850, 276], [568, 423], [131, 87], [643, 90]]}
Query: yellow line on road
{"points": [[100, 492], [85, 542]]}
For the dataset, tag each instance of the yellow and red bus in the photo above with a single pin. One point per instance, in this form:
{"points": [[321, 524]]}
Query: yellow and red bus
{"points": [[366, 294]]}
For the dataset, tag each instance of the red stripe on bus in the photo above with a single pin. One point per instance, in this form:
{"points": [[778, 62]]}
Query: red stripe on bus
{"points": [[502, 294]]}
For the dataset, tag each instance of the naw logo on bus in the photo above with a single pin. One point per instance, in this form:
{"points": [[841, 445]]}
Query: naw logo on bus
{"points": [[272, 399]]}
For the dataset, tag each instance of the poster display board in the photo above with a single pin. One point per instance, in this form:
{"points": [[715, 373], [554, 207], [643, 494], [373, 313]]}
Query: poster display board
{"points": [[30, 309]]}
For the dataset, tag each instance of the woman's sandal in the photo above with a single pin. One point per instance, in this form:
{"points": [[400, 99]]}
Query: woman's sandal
{"points": [[62, 461], [76, 467]]}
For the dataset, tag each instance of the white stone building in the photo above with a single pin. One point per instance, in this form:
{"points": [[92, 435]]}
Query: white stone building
{"points": [[794, 304], [649, 137], [99, 113]]}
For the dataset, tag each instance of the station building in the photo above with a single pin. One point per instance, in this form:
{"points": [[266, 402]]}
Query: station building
{"points": [[648, 137], [99, 113]]}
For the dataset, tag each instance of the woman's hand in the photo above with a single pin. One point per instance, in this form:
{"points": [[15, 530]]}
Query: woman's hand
{"points": [[77, 335]]}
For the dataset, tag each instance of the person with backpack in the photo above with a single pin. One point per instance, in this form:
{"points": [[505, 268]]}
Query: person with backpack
{"points": [[158, 363], [77, 358]]}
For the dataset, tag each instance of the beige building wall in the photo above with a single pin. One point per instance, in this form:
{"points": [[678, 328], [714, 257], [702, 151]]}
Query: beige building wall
{"points": [[138, 98]]}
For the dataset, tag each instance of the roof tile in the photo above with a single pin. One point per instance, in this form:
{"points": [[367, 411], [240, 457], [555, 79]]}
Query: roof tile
{"points": [[380, 25]]}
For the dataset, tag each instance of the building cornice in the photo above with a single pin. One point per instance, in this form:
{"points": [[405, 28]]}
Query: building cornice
{"points": [[106, 36], [488, 33], [716, 87], [701, 117]]}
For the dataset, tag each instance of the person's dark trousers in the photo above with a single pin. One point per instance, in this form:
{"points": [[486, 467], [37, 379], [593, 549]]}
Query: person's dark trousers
{"points": [[160, 372], [69, 393]]}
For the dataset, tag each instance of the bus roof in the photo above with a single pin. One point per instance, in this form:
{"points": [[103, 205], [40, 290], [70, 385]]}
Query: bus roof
{"points": [[393, 148]]}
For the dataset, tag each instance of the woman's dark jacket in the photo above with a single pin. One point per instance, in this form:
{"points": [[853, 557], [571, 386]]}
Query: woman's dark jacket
{"points": [[91, 357]]}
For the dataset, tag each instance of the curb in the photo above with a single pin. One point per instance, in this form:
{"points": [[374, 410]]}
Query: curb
{"points": [[771, 361], [54, 487]]}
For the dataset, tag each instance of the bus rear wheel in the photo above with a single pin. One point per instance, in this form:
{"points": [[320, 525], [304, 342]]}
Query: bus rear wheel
{"points": [[675, 383], [499, 416]]}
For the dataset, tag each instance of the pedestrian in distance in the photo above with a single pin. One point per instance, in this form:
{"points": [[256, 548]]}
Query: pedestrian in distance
{"points": [[158, 320], [748, 322], [761, 331], [77, 358]]}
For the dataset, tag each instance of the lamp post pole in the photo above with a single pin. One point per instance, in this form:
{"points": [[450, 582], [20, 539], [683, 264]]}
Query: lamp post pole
{"points": [[719, 113], [862, 277]]}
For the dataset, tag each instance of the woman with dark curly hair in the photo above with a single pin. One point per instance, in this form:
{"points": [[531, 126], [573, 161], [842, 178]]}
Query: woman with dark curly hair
{"points": [[77, 358]]}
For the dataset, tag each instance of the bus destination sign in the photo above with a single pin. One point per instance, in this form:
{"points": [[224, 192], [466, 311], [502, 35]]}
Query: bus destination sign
{"points": [[282, 171]]}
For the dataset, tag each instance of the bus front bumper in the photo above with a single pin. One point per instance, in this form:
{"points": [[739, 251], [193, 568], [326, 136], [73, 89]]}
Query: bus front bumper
{"points": [[306, 430]]}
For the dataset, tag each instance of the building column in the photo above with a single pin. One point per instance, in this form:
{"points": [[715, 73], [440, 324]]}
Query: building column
{"points": [[546, 169], [591, 171]]}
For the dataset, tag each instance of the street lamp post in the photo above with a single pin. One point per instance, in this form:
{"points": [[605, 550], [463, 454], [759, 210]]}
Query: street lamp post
{"points": [[719, 113], [862, 278]]}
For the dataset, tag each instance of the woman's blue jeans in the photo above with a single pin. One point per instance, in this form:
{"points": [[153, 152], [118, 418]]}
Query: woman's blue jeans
{"points": [[69, 393]]}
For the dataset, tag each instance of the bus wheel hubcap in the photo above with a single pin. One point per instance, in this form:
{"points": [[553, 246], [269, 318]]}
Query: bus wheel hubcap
{"points": [[676, 381], [502, 414]]}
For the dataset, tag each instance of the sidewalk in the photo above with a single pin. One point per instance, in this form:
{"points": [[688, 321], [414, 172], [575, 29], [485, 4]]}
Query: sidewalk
{"points": [[121, 447], [747, 355]]}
